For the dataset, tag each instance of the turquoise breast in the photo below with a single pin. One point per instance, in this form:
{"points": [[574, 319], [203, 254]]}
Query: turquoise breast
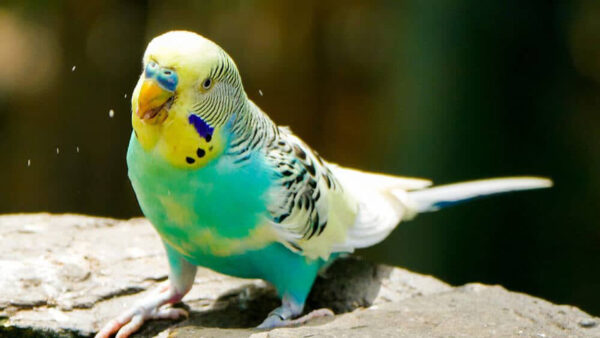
{"points": [[225, 199]]}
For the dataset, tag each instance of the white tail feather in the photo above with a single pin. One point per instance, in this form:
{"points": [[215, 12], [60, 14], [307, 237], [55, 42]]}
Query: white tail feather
{"points": [[383, 201], [435, 198]]}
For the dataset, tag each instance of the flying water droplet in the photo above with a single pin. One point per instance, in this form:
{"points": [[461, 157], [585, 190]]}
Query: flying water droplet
{"points": [[73, 69], [77, 148], [29, 162], [111, 113], [57, 151], [260, 92]]}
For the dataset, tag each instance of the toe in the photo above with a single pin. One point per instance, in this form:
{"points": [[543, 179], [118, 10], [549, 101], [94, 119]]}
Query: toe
{"points": [[170, 313], [271, 322], [321, 313], [274, 321], [108, 329], [135, 323]]}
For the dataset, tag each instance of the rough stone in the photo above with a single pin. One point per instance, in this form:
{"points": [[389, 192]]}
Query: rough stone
{"points": [[66, 275]]}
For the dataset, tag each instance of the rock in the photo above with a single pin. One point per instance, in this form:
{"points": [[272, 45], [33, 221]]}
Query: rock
{"points": [[66, 275]]}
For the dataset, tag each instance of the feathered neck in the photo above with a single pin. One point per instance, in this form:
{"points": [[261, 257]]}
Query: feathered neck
{"points": [[251, 128]]}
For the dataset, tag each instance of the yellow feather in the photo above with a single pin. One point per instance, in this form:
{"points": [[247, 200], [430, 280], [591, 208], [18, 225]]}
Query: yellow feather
{"points": [[176, 139]]}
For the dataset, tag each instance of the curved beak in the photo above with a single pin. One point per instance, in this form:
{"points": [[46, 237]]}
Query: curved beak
{"points": [[153, 102]]}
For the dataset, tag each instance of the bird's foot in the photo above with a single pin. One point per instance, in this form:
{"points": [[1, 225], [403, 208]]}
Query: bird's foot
{"points": [[275, 320], [151, 308]]}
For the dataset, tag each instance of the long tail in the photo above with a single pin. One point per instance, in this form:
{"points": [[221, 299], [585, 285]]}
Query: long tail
{"points": [[432, 199]]}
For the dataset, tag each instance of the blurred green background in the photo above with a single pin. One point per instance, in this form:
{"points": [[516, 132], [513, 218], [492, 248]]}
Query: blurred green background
{"points": [[449, 90]]}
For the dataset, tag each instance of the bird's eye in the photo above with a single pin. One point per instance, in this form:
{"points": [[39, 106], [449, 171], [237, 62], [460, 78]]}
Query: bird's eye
{"points": [[167, 72], [207, 83]]}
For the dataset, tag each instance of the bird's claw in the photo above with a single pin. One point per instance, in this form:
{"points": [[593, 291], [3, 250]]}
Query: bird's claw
{"points": [[274, 320], [132, 320]]}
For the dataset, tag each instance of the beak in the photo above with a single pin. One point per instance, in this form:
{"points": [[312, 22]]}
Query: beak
{"points": [[153, 102]]}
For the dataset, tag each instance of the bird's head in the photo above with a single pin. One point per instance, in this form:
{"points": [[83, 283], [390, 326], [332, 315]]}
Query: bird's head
{"points": [[188, 93]]}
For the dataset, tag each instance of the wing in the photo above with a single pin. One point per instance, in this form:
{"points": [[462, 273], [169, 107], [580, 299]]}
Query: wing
{"points": [[382, 203], [308, 207]]}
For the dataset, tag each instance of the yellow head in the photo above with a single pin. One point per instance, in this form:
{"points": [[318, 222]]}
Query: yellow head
{"points": [[188, 93]]}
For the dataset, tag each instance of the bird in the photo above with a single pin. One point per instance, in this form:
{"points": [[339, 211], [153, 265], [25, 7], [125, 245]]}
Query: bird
{"points": [[228, 189]]}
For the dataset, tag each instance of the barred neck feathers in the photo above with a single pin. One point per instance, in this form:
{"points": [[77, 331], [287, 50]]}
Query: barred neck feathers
{"points": [[227, 97], [252, 129]]}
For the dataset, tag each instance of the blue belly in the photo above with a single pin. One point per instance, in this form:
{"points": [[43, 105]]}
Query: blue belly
{"points": [[287, 271]]}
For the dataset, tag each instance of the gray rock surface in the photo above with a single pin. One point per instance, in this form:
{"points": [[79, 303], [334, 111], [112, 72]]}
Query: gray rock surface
{"points": [[66, 275]]}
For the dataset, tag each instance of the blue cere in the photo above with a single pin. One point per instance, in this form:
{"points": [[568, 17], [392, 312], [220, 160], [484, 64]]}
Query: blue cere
{"points": [[151, 69], [167, 79]]}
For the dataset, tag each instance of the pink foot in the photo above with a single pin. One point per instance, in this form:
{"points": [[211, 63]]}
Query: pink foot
{"points": [[150, 308]]}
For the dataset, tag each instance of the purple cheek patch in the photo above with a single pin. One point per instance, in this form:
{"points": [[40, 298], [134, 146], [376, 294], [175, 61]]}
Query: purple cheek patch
{"points": [[204, 129]]}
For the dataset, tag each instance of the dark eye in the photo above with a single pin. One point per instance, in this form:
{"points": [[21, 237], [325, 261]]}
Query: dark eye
{"points": [[207, 83]]}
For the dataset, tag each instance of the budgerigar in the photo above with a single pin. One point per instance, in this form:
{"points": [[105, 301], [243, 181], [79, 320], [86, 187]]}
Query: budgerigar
{"points": [[228, 189]]}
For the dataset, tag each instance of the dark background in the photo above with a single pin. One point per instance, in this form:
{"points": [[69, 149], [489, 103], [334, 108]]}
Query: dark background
{"points": [[448, 90]]}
